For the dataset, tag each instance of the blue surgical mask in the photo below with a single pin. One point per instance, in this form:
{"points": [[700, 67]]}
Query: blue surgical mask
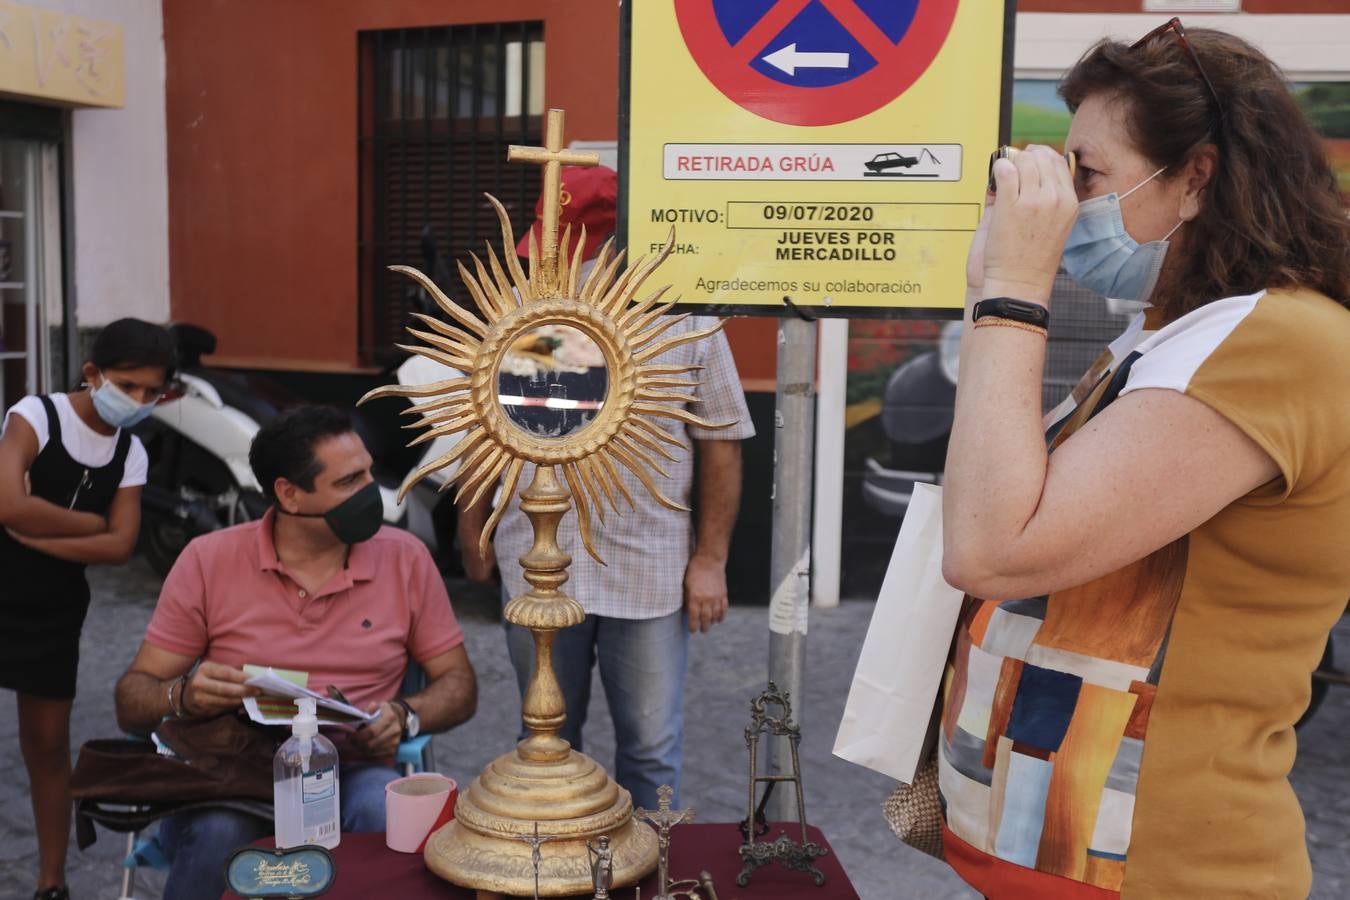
{"points": [[1101, 256], [116, 408]]}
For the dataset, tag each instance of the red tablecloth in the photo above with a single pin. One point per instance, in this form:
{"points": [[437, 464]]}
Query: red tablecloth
{"points": [[366, 868]]}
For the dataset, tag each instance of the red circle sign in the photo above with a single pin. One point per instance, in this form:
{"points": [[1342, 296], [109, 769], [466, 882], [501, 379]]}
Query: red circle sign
{"points": [[898, 63]]}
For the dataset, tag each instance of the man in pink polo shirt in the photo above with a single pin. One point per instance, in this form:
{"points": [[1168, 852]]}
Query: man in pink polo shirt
{"points": [[318, 586]]}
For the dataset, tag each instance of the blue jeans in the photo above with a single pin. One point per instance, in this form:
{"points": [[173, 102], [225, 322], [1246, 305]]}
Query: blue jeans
{"points": [[642, 663], [198, 843]]}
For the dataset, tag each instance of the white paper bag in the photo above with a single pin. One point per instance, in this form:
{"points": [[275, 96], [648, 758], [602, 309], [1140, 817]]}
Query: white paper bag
{"points": [[891, 703]]}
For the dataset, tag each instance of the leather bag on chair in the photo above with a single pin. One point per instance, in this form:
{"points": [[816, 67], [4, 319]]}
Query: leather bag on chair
{"points": [[126, 785], [221, 757]]}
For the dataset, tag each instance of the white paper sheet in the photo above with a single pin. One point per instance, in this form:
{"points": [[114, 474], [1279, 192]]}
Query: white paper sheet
{"points": [[273, 685]]}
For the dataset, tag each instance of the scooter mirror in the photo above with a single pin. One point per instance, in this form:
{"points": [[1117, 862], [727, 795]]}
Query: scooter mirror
{"points": [[175, 390], [552, 381]]}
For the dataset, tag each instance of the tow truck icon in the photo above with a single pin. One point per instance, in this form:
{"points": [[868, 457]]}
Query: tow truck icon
{"points": [[878, 166]]}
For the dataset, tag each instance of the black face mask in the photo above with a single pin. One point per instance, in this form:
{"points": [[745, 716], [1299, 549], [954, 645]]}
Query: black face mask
{"points": [[355, 519]]}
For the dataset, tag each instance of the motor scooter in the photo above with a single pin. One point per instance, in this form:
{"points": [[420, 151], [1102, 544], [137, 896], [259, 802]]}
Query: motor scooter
{"points": [[430, 507], [198, 440], [919, 398]]}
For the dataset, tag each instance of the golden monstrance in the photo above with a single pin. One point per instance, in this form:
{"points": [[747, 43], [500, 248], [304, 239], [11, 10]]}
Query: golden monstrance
{"points": [[543, 786]]}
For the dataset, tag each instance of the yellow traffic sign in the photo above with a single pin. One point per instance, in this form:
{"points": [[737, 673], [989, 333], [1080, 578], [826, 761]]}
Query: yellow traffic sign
{"points": [[834, 153]]}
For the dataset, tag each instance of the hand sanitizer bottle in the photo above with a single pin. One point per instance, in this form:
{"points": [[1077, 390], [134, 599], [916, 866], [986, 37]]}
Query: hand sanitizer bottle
{"points": [[305, 784]]}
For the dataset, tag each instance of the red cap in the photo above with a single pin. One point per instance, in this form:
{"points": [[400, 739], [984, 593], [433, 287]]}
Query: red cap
{"points": [[590, 197]]}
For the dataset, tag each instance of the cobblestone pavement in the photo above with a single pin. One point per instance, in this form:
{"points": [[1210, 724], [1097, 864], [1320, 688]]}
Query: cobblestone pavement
{"points": [[726, 668]]}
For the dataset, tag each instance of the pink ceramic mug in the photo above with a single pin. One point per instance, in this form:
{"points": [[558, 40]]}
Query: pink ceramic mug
{"points": [[415, 807]]}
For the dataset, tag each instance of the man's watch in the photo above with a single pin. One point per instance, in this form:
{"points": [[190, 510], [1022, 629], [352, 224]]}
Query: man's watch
{"points": [[412, 725]]}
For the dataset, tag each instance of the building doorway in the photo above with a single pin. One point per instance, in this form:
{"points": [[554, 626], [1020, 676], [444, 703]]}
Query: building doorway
{"points": [[32, 312]]}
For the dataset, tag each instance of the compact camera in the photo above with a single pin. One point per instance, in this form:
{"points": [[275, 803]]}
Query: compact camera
{"points": [[1010, 152]]}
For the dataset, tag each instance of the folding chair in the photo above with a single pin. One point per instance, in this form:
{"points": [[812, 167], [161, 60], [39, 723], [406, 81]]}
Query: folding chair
{"points": [[134, 819], [415, 754], [144, 853]]}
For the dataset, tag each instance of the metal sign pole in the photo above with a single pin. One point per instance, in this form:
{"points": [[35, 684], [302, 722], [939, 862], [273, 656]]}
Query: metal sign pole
{"points": [[828, 513], [794, 420]]}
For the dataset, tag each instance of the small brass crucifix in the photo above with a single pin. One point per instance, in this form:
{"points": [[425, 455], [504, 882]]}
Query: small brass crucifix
{"points": [[552, 157], [664, 819]]}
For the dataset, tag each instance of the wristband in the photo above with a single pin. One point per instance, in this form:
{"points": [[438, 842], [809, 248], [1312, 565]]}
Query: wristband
{"points": [[1013, 310], [989, 322]]}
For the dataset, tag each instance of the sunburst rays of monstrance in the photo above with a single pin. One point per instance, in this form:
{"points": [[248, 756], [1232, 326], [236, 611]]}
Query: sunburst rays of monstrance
{"points": [[544, 782]]}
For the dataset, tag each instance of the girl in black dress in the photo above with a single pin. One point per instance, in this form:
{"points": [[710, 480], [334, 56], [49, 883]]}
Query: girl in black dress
{"points": [[70, 495]]}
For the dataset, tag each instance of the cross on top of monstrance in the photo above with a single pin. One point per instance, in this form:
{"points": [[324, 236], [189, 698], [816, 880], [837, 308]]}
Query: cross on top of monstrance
{"points": [[543, 780], [552, 156]]}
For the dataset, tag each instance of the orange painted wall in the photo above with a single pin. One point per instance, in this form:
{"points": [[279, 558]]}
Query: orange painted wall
{"points": [[261, 105]]}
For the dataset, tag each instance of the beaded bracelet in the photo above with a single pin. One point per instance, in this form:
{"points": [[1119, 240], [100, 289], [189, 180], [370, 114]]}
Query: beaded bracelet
{"points": [[1009, 323]]}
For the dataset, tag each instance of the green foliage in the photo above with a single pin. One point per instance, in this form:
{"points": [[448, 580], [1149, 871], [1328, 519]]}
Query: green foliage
{"points": [[1034, 124], [1327, 105]]}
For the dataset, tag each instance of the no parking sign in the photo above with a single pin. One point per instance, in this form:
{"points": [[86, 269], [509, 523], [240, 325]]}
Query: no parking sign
{"points": [[830, 151]]}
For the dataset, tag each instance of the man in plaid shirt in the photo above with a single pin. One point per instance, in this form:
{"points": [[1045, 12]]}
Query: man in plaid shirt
{"points": [[666, 573]]}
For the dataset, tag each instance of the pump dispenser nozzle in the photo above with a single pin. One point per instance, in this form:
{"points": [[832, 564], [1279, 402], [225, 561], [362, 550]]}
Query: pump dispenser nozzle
{"points": [[305, 723], [305, 726]]}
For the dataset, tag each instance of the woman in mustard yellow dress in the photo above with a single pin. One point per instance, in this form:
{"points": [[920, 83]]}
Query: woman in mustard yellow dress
{"points": [[1158, 575]]}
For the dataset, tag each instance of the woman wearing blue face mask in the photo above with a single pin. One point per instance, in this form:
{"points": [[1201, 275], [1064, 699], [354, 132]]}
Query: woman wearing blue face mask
{"points": [[70, 493], [1163, 565]]}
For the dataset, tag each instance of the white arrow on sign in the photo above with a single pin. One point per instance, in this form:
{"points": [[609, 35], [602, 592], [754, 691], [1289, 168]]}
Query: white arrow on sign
{"points": [[789, 60]]}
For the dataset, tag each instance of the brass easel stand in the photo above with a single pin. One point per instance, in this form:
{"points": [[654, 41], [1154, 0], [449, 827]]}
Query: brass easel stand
{"points": [[784, 850]]}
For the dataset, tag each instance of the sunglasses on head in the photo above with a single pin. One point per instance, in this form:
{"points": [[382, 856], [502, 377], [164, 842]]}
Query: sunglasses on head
{"points": [[1172, 28]]}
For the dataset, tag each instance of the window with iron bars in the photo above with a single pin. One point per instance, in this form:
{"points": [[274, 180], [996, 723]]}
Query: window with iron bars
{"points": [[438, 108]]}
